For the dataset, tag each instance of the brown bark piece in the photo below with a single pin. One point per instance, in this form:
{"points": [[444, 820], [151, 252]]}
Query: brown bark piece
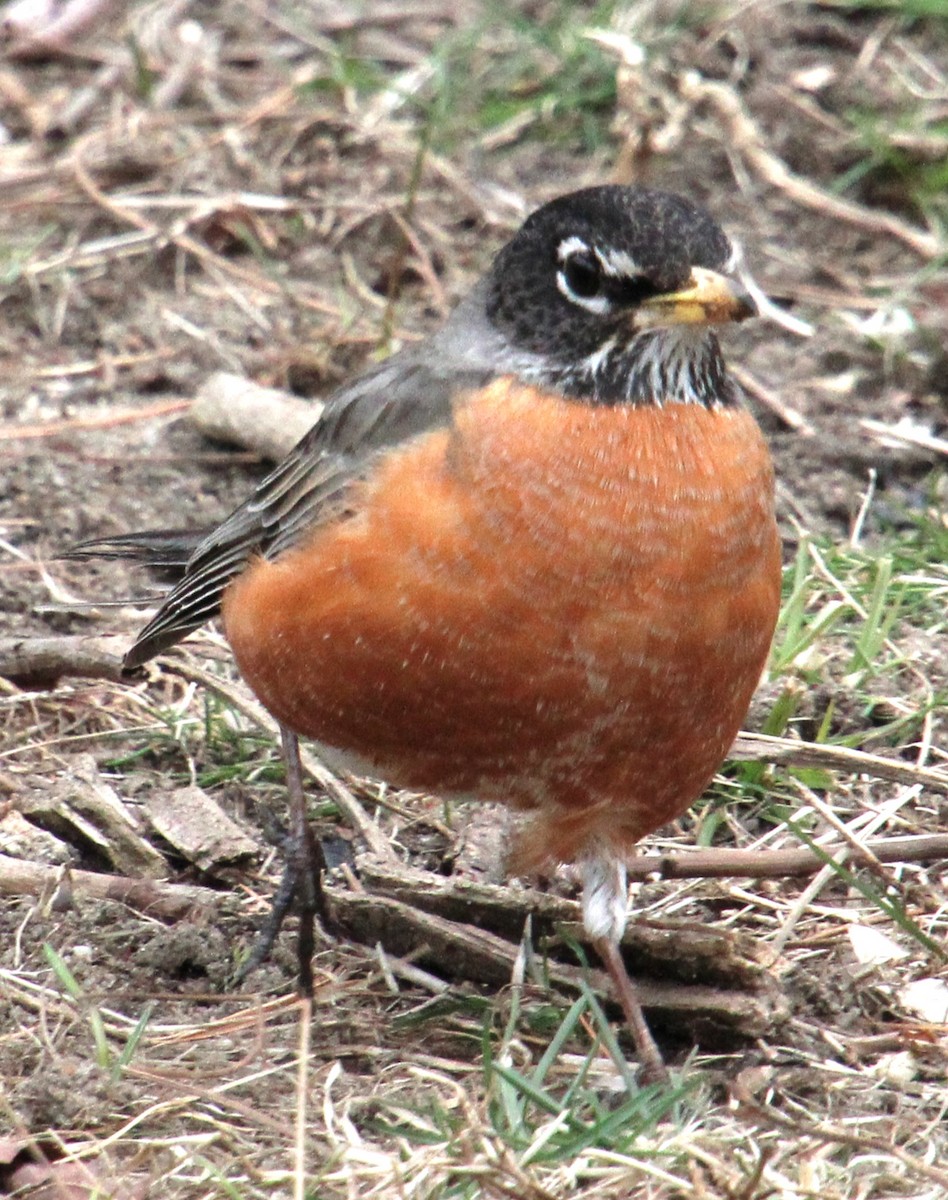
{"points": [[684, 952], [82, 802], [712, 1015], [197, 827]]}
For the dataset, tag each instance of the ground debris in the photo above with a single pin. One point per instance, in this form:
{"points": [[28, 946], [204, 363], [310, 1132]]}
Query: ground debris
{"points": [[82, 805], [191, 820]]}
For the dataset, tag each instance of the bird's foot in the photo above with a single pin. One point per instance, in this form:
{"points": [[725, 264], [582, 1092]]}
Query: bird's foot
{"points": [[302, 880], [301, 883]]}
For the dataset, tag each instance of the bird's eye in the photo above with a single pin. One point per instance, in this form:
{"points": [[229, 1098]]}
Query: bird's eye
{"points": [[582, 274]]}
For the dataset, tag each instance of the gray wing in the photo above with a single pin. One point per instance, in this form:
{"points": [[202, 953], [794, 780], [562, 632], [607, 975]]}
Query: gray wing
{"points": [[404, 397]]}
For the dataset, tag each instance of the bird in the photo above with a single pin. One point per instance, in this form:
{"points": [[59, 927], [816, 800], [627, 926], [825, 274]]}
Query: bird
{"points": [[532, 558]]}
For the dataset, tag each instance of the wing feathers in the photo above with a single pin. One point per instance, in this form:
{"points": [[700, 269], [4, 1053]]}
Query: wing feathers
{"points": [[394, 403]]}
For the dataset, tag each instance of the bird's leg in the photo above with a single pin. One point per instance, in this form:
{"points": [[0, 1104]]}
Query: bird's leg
{"points": [[653, 1065], [302, 877], [605, 898]]}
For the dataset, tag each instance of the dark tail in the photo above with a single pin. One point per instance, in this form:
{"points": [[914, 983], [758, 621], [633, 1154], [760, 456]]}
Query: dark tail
{"points": [[164, 551]]}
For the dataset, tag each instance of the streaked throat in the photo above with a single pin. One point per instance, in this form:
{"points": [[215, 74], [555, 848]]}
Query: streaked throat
{"points": [[662, 366]]}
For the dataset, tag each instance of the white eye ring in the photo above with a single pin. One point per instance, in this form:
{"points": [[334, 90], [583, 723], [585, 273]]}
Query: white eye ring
{"points": [[575, 248], [599, 305], [570, 246]]}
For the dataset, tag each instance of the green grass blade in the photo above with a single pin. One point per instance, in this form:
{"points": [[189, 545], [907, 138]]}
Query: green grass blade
{"points": [[70, 985], [892, 908]]}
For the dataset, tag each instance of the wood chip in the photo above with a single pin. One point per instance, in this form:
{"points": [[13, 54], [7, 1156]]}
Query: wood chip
{"points": [[20, 838], [83, 803], [198, 828], [236, 410]]}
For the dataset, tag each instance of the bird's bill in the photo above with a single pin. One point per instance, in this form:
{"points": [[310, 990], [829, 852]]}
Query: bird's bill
{"points": [[708, 299]]}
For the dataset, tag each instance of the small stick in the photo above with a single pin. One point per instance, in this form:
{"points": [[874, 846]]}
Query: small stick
{"points": [[900, 435], [782, 864], [125, 416], [745, 138], [169, 901], [790, 416]]}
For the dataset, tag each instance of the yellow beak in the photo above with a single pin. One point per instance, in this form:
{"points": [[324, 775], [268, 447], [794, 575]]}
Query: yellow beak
{"points": [[708, 299]]}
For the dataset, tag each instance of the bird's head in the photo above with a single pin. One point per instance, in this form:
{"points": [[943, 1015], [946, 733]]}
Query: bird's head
{"points": [[612, 291]]}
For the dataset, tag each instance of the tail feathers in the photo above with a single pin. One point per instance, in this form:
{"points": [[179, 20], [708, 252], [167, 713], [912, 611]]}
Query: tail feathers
{"points": [[147, 644], [165, 551]]}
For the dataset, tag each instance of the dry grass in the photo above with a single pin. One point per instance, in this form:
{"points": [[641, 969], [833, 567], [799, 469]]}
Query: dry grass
{"points": [[284, 192]]}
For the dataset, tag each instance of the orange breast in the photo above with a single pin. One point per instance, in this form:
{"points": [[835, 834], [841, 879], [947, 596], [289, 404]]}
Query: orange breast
{"points": [[563, 607]]}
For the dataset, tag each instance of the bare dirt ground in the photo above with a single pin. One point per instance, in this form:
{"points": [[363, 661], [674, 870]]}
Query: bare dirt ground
{"points": [[285, 192]]}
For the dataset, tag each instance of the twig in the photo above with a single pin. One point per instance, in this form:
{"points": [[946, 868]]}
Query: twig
{"points": [[106, 365], [904, 435], [126, 416], [760, 747], [782, 864], [744, 137], [169, 901], [790, 416]]}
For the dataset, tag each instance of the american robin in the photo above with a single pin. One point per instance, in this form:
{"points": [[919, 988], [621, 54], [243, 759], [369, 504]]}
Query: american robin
{"points": [[531, 559]]}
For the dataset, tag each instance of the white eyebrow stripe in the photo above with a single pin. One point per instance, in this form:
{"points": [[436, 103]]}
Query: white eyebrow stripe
{"points": [[618, 264], [570, 245]]}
